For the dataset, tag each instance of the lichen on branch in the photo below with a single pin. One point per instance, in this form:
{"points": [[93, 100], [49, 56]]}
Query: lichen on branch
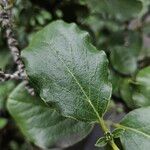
{"points": [[6, 22]]}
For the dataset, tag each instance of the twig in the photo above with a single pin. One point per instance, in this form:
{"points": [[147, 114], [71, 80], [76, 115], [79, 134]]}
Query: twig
{"points": [[5, 77], [6, 22]]}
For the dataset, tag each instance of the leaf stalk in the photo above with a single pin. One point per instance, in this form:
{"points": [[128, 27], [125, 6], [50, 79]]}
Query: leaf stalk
{"points": [[106, 130]]}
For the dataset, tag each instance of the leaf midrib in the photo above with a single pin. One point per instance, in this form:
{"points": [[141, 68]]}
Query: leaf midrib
{"points": [[83, 91], [78, 83], [134, 130]]}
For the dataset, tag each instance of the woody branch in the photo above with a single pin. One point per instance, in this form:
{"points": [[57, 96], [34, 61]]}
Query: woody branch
{"points": [[6, 23]]}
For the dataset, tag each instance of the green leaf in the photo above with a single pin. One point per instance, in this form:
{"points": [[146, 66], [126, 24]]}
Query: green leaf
{"points": [[137, 130], [132, 40], [101, 142], [123, 60], [145, 8], [5, 90], [41, 124], [116, 81], [126, 90], [145, 54], [143, 77], [68, 72], [146, 28], [4, 59], [3, 122], [121, 9], [141, 95], [117, 132], [136, 93]]}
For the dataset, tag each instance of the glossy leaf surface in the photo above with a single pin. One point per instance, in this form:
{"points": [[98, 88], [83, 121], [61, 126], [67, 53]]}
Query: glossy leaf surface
{"points": [[68, 71], [137, 129], [43, 125]]}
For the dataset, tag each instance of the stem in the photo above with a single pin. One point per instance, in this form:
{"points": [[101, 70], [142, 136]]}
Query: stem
{"points": [[6, 22], [106, 130], [113, 145], [5, 76], [103, 125], [116, 125]]}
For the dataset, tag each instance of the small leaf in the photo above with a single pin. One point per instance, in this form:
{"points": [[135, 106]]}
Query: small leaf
{"points": [[136, 93], [3, 122], [137, 130], [143, 76], [4, 59], [117, 132], [145, 8], [126, 92], [116, 81], [121, 9], [101, 142], [124, 60], [5, 90], [68, 72], [141, 95], [146, 28], [41, 124]]}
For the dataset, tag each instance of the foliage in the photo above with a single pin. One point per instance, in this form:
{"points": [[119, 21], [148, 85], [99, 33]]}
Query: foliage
{"points": [[85, 60], [32, 115]]}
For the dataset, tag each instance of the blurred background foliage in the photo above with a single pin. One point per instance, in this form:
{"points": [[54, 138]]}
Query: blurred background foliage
{"points": [[120, 27]]}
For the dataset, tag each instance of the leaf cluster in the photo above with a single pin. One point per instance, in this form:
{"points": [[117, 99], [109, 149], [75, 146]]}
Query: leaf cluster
{"points": [[86, 60]]}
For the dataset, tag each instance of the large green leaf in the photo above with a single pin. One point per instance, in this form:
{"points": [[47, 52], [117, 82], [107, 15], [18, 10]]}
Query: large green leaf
{"points": [[68, 71], [43, 125], [137, 130], [121, 9]]}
